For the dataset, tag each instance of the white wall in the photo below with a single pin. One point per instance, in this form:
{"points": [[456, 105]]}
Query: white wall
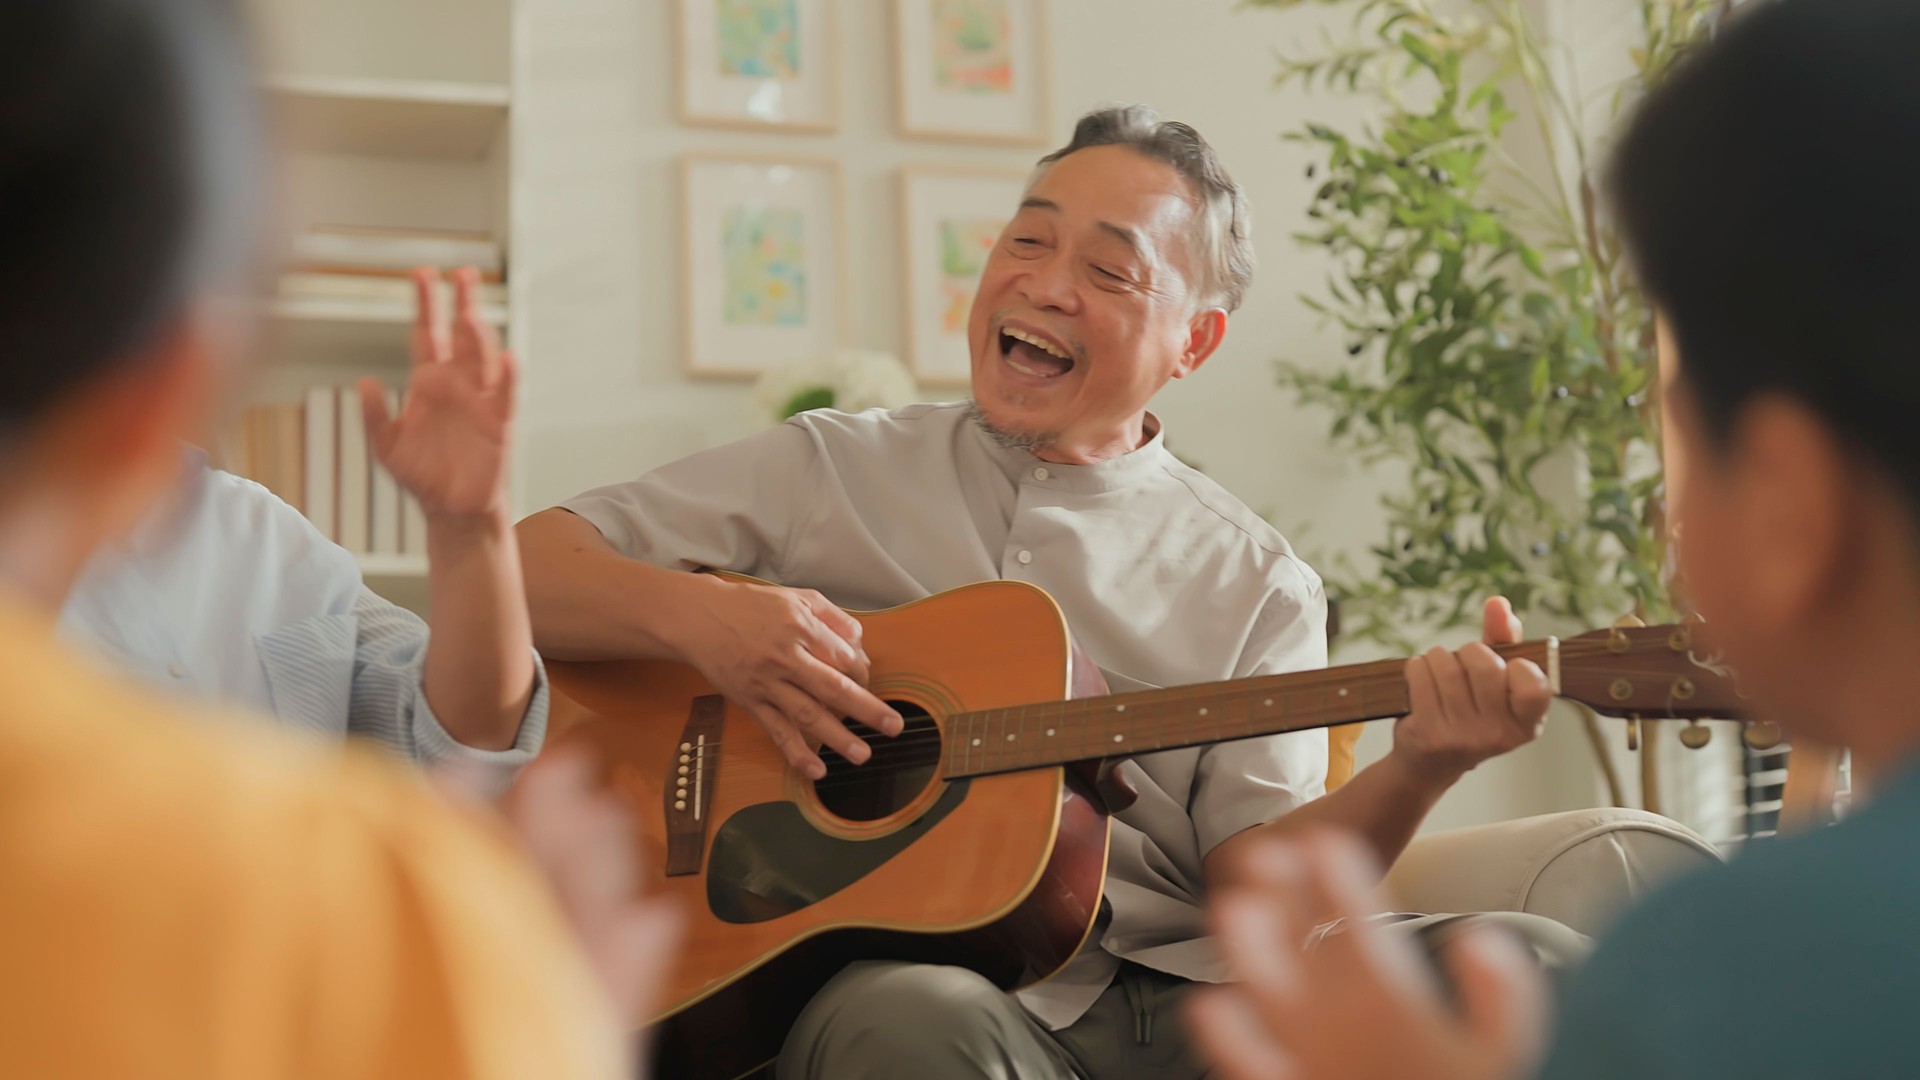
{"points": [[599, 144], [597, 190]]}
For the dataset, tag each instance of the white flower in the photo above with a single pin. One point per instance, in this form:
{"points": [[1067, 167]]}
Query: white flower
{"points": [[849, 380]]}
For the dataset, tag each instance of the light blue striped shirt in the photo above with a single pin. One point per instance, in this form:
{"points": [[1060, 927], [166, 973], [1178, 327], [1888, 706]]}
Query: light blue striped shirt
{"points": [[230, 595]]}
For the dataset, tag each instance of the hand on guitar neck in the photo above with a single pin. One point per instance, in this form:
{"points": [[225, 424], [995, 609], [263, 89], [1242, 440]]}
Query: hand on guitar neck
{"points": [[1468, 707]]}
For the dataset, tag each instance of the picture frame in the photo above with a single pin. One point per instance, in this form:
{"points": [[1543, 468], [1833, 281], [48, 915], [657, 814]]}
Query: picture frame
{"points": [[763, 250], [950, 221], [972, 70], [758, 65]]}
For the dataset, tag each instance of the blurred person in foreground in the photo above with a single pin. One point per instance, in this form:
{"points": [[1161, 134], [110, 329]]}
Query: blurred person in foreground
{"points": [[180, 901], [1766, 193]]}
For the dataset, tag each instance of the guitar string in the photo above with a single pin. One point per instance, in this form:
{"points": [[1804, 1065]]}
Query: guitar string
{"points": [[1152, 729], [764, 763], [926, 754]]}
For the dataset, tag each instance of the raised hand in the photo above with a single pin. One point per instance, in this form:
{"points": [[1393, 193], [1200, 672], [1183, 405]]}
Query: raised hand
{"points": [[1471, 705], [448, 447], [1361, 1004]]}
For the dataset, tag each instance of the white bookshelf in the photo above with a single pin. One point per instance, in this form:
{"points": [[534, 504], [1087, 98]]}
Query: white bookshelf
{"points": [[392, 116], [400, 118]]}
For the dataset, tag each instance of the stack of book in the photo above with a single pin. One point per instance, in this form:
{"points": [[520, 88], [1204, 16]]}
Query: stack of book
{"points": [[353, 288], [362, 273], [357, 251], [314, 455]]}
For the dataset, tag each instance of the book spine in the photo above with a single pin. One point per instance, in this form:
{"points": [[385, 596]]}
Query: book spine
{"points": [[322, 465], [354, 286], [280, 448], [355, 474], [396, 252], [384, 517]]}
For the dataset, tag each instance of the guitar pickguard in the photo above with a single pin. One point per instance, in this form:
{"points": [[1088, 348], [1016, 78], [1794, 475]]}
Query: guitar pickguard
{"points": [[768, 860]]}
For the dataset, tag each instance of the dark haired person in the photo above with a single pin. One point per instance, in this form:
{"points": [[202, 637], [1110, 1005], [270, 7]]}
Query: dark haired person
{"points": [[1766, 193], [180, 901], [1116, 276]]}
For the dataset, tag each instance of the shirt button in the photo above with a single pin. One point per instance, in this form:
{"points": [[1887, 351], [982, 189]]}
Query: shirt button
{"points": [[1041, 473], [1025, 557]]}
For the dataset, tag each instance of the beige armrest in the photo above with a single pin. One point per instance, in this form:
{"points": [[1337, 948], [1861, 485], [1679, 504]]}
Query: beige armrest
{"points": [[1580, 868]]}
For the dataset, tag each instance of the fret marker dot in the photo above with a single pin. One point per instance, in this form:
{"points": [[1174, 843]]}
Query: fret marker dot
{"points": [[1203, 712], [1119, 708], [1343, 691], [1009, 738], [976, 742], [1049, 733], [1118, 738], [1268, 703]]}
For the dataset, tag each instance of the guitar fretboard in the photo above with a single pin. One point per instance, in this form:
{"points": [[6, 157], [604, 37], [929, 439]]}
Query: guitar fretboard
{"points": [[1056, 733]]}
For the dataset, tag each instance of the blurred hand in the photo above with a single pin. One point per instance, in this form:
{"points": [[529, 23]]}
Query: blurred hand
{"points": [[1361, 1004], [448, 446], [1471, 705], [791, 660], [581, 837]]}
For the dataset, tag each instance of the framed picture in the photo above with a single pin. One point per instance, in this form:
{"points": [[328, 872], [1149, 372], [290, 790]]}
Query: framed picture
{"points": [[972, 70], [763, 251], [759, 64], [950, 221]]}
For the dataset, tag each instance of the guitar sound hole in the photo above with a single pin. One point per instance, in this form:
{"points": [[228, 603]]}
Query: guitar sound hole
{"points": [[900, 769]]}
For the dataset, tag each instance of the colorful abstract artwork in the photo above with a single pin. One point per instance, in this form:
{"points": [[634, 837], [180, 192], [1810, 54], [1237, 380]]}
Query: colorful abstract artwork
{"points": [[764, 258], [965, 244], [759, 38], [972, 46]]}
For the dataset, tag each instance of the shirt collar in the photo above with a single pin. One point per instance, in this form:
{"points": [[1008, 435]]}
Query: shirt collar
{"points": [[1110, 475], [162, 527]]}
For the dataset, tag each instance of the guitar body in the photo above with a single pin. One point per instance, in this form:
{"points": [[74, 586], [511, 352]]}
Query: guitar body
{"points": [[785, 881]]}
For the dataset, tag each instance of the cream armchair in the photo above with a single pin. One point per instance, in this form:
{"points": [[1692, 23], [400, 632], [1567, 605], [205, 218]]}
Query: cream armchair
{"points": [[1581, 868]]}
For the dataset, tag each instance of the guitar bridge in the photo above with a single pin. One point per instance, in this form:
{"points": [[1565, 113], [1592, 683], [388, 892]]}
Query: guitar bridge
{"points": [[691, 774]]}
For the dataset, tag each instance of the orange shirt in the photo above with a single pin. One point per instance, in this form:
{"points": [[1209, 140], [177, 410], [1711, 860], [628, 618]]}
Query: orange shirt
{"points": [[182, 899]]}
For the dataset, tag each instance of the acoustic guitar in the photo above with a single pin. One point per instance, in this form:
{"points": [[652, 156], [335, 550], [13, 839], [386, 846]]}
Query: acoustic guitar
{"points": [[978, 836]]}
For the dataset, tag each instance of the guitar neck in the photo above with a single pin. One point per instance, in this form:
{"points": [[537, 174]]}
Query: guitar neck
{"points": [[1122, 725]]}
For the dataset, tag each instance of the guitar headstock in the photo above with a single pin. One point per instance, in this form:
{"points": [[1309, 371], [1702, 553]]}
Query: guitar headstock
{"points": [[1657, 672]]}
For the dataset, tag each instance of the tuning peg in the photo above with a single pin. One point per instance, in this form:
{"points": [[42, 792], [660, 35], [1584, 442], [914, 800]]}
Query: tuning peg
{"points": [[1618, 642], [1633, 733], [1763, 736], [1695, 735]]}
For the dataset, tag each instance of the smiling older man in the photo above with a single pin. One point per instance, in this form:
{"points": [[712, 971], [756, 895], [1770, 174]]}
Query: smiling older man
{"points": [[1117, 274]]}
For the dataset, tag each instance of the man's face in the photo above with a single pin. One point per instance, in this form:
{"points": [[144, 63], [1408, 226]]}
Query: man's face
{"points": [[1755, 523], [1087, 305]]}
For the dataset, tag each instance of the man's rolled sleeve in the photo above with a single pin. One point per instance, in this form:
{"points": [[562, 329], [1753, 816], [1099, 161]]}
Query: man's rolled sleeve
{"points": [[389, 701]]}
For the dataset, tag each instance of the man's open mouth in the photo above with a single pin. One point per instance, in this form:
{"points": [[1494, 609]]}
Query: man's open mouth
{"points": [[1034, 354]]}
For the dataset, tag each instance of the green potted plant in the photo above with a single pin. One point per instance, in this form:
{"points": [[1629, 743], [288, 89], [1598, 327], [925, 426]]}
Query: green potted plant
{"points": [[1497, 348]]}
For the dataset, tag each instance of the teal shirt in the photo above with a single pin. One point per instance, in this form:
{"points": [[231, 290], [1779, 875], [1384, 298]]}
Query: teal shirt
{"points": [[1800, 959]]}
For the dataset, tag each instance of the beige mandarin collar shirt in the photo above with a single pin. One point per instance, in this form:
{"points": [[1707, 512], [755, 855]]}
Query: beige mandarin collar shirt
{"points": [[1164, 578]]}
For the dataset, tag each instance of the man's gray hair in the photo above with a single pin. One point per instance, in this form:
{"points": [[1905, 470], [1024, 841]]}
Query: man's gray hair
{"points": [[1223, 237]]}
